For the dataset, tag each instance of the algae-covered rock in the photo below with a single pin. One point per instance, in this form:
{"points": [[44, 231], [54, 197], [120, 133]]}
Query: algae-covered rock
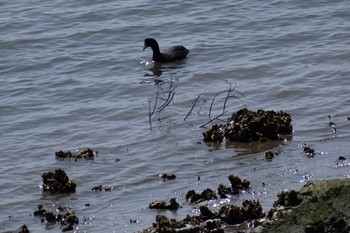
{"points": [[320, 206], [246, 126]]}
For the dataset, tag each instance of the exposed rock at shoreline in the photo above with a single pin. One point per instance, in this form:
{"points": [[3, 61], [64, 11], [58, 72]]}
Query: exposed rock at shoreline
{"points": [[247, 126], [57, 182], [320, 206]]}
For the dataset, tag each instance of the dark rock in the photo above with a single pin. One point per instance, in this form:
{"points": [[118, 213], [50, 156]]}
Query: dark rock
{"points": [[214, 134], [24, 229], [87, 154], [206, 213], [237, 184], [194, 197], [99, 188], [65, 219], [57, 182], [238, 214], [223, 191], [173, 205], [187, 225], [167, 177], [309, 151], [269, 155], [288, 199], [246, 126]]}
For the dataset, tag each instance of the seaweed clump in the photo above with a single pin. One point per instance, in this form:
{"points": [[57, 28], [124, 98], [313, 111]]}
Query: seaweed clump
{"points": [[87, 154], [57, 182], [246, 126]]}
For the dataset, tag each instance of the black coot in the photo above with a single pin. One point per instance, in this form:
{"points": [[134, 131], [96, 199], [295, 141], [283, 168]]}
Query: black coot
{"points": [[172, 54]]}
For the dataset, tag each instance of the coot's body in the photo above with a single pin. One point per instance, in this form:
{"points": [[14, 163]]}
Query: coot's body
{"points": [[172, 54]]}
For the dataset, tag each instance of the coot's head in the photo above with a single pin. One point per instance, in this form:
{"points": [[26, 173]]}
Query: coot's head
{"points": [[150, 42]]}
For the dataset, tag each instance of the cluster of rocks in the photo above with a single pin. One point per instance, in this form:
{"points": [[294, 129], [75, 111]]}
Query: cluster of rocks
{"points": [[87, 154], [208, 220], [57, 182], [64, 218], [320, 206], [190, 224], [246, 126]]}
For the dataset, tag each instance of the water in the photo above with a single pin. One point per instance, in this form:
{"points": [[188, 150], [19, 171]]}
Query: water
{"points": [[73, 75]]}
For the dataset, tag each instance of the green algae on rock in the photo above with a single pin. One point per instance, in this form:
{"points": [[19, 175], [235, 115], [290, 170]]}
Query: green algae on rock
{"points": [[320, 206], [246, 126], [57, 182]]}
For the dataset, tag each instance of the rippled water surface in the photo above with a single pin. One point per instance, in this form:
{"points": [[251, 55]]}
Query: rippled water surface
{"points": [[73, 75]]}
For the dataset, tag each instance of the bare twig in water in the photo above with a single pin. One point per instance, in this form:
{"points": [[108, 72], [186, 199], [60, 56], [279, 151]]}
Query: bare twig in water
{"points": [[215, 118], [231, 92], [200, 108], [170, 96], [163, 96], [150, 113], [194, 104]]}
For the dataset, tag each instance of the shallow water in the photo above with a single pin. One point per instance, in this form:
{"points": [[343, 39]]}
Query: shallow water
{"points": [[73, 75]]}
